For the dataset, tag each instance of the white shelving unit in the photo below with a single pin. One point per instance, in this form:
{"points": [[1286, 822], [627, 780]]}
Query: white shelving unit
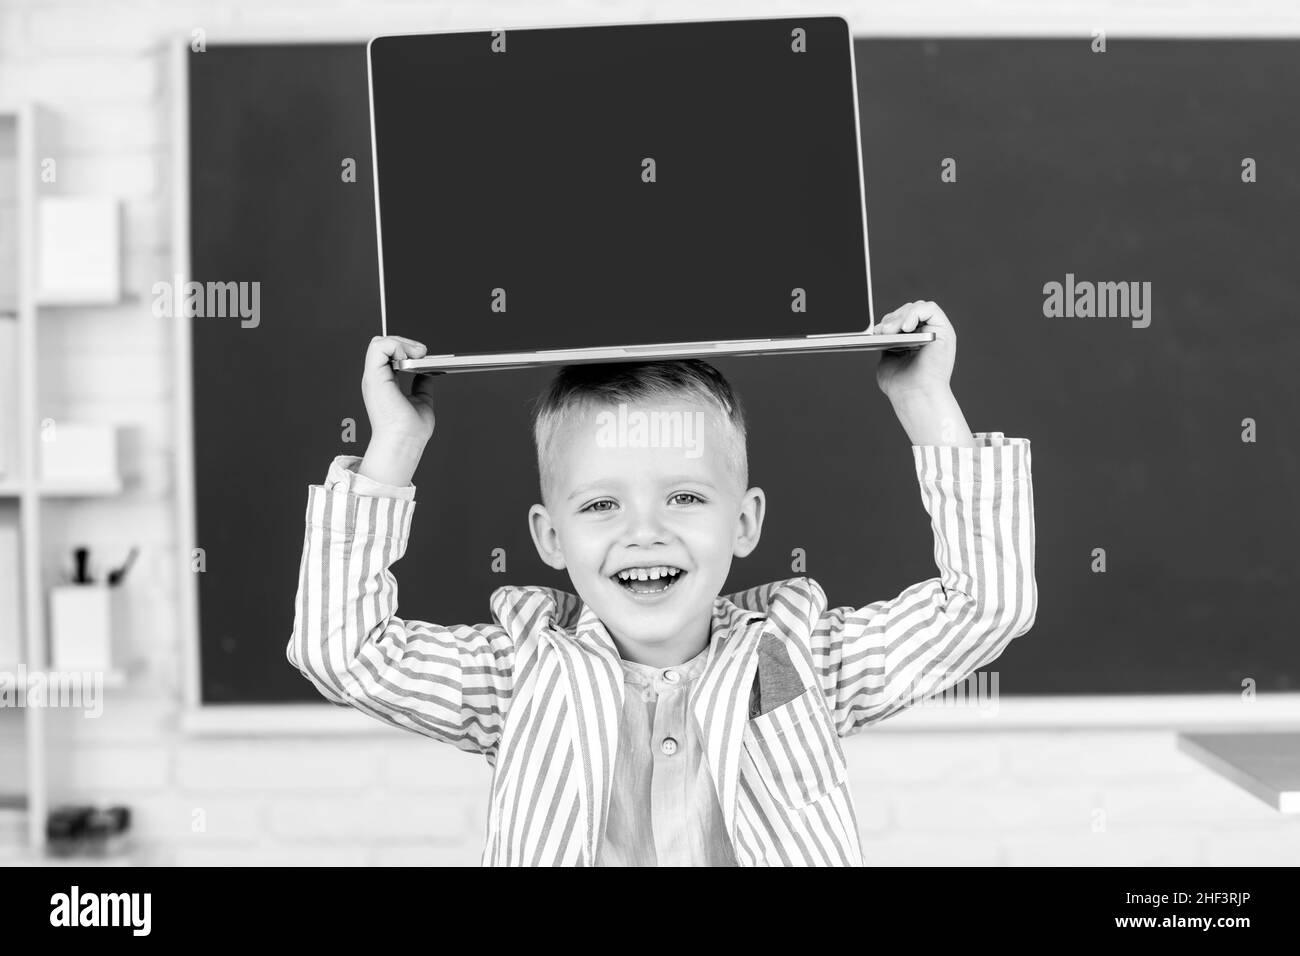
{"points": [[26, 134]]}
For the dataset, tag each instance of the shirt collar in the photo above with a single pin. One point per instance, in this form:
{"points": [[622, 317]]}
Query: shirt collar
{"points": [[644, 675]]}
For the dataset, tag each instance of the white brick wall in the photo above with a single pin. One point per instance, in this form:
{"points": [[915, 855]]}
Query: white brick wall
{"points": [[980, 797], [1055, 798]]}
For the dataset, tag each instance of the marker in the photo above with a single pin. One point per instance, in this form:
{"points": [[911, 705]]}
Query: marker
{"points": [[82, 556], [117, 574]]}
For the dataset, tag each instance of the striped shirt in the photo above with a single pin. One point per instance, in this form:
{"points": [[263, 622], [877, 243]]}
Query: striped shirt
{"points": [[539, 690]]}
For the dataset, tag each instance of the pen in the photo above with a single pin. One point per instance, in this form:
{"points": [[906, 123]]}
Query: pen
{"points": [[117, 574]]}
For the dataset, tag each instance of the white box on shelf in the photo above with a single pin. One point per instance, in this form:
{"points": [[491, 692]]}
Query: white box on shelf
{"points": [[78, 452], [11, 630], [78, 250], [87, 625], [8, 398]]}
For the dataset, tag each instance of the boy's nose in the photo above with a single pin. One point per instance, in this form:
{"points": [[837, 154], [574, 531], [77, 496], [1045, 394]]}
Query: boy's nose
{"points": [[645, 527]]}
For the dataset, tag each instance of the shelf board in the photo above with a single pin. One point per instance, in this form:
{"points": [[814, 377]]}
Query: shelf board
{"points": [[79, 489], [56, 300], [113, 679], [22, 856], [65, 489]]}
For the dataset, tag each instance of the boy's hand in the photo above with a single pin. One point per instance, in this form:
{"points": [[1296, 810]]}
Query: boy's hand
{"points": [[393, 415], [400, 426], [927, 369], [917, 381]]}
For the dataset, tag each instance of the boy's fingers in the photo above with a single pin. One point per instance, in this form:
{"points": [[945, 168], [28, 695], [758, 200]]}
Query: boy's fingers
{"points": [[894, 322], [423, 386], [911, 317], [407, 349], [414, 349], [932, 315], [386, 349], [884, 322], [379, 352], [379, 358]]}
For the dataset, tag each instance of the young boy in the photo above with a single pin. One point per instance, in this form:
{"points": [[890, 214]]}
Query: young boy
{"points": [[648, 720]]}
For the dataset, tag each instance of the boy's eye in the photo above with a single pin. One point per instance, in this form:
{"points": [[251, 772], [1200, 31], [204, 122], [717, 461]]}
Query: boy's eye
{"points": [[595, 506]]}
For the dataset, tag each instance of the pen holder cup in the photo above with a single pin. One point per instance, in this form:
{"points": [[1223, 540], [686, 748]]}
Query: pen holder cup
{"points": [[87, 627]]}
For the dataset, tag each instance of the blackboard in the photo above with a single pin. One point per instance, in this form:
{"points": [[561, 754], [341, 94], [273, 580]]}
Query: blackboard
{"points": [[1117, 166]]}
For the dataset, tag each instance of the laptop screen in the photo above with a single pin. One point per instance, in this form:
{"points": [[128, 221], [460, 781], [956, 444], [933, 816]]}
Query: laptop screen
{"points": [[619, 185]]}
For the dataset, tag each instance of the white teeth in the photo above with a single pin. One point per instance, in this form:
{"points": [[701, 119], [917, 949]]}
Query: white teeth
{"points": [[648, 574]]}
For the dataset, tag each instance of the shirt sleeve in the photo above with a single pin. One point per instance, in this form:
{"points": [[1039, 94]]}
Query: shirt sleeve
{"points": [[450, 683], [359, 484], [876, 660]]}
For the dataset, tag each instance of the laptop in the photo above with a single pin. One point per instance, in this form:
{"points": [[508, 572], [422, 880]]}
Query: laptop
{"points": [[575, 194]]}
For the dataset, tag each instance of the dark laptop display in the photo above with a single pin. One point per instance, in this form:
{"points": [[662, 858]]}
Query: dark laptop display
{"points": [[619, 185]]}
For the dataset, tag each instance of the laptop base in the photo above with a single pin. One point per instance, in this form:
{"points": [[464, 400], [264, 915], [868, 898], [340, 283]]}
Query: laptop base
{"points": [[497, 361]]}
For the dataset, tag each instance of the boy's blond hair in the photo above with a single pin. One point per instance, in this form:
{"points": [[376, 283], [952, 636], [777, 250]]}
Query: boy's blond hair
{"points": [[577, 389]]}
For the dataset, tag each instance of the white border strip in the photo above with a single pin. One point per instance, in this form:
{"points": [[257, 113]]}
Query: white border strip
{"points": [[187, 584], [1179, 712], [867, 19]]}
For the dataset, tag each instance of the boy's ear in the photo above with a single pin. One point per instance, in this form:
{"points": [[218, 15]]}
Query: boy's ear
{"points": [[545, 538], [750, 525]]}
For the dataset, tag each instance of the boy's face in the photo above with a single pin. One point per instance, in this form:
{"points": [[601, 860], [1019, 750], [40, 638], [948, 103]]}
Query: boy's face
{"points": [[616, 502]]}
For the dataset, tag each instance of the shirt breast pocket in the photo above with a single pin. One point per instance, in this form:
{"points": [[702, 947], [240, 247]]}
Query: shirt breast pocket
{"points": [[796, 751]]}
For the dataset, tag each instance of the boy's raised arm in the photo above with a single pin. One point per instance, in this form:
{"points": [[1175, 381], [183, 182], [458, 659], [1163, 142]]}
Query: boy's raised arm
{"points": [[876, 660], [450, 683]]}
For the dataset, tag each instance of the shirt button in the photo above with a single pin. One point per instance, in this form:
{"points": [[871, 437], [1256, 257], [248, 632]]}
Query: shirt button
{"points": [[671, 676], [669, 746]]}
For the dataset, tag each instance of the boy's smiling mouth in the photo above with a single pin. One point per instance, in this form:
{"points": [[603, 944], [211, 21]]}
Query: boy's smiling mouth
{"points": [[648, 580]]}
